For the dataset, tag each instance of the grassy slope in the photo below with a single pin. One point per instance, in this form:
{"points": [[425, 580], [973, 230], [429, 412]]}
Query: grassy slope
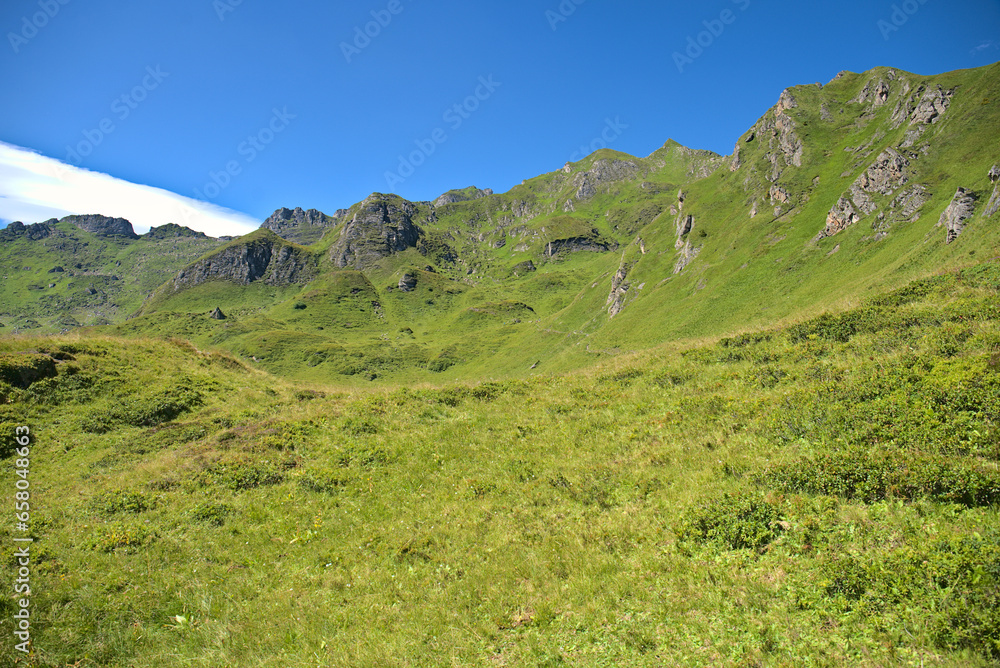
{"points": [[121, 272], [575, 519]]}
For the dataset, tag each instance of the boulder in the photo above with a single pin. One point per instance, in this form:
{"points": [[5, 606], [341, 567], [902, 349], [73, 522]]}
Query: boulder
{"points": [[408, 283], [217, 314]]}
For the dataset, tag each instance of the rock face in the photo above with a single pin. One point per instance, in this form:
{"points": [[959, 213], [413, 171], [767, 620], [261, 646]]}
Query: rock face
{"points": [[885, 177], [217, 314], [173, 231], [266, 258], [523, 268], [602, 172], [619, 291], [301, 227], [408, 282], [102, 225], [962, 206], [463, 195], [18, 230], [382, 225]]}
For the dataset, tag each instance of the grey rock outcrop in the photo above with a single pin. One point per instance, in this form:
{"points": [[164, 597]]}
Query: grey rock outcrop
{"points": [[266, 257], [34, 232], [884, 177], [601, 173], [173, 231], [301, 226], [408, 282], [103, 226], [217, 314], [383, 225], [962, 206], [619, 291], [464, 195]]}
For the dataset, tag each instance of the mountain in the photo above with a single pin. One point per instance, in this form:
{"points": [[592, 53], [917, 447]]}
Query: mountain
{"points": [[86, 270], [862, 184]]}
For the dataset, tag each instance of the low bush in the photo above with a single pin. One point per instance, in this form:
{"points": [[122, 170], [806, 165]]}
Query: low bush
{"points": [[734, 521]]}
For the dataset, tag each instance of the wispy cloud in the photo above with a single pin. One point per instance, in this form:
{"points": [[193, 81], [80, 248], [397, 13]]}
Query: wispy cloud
{"points": [[985, 46], [34, 188]]}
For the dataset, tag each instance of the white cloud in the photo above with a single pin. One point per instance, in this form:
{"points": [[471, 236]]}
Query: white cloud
{"points": [[34, 188], [985, 46]]}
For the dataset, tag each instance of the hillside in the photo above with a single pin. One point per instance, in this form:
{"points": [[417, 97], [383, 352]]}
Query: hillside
{"points": [[862, 184], [86, 270], [819, 494]]}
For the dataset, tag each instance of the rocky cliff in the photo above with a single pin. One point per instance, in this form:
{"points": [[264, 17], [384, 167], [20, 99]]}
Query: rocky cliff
{"points": [[381, 225], [261, 256]]}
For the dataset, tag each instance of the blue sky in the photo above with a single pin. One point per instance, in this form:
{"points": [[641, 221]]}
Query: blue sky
{"points": [[253, 105]]}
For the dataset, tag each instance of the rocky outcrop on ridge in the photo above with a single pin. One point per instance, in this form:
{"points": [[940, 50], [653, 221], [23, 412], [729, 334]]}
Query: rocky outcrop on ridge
{"points": [[381, 226], [260, 257], [102, 225], [962, 206], [302, 226]]}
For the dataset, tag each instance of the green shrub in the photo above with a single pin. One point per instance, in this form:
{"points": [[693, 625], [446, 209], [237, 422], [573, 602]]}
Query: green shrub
{"points": [[144, 411], [211, 513], [21, 370], [118, 501], [324, 481], [876, 476], [111, 537], [733, 521], [244, 475]]}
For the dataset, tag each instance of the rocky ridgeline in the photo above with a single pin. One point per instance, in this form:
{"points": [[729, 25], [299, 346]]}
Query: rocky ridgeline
{"points": [[302, 226], [103, 226]]}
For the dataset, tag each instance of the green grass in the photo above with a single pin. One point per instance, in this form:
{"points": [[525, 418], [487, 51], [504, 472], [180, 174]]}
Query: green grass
{"points": [[817, 494]]}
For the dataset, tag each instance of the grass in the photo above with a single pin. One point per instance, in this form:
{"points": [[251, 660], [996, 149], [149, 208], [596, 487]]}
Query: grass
{"points": [[817, 494]]}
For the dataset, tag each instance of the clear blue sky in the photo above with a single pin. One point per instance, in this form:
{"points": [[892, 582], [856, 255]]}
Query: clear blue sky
{"points": [[210, 74]]}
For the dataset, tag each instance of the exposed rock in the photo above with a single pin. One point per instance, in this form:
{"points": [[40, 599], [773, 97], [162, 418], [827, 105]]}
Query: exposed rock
{"points": [[994, 204], [34, 232], [778, 194], [909, 202], [841, 216], [301, 227], [994, 174], [264, 257], [619, 290], [603, 172], [886, 175], [962, 207], [383, 225], [736, 163], [786, 101], [592, 243], [932, 105], [569, 207], [684, 225], [877, 92], [463, 195], [686, 256], [217, 314], [56, 270], [173, 231], [522, 268], [103, 226], [788, 141], [824, 113], [408, 283]]}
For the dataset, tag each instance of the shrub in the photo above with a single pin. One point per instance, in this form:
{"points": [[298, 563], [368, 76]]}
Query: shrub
{"points": [[244, 475], [111, 537], [120, 501], [323, 481], [734, 521], [211, 513], [21, 370], [144, 411], [876, 476]]}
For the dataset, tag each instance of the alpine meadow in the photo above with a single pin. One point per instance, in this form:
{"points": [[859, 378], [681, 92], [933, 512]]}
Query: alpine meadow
{"points": [[686, 409]]}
